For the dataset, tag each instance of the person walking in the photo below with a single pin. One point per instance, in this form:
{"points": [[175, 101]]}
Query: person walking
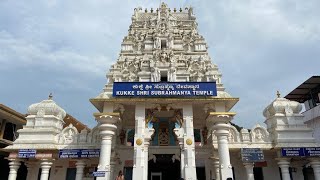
{"points": [[120, 176]]}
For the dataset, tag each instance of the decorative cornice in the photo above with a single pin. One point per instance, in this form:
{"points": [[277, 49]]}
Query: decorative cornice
{"points": [[106, 114], [222, 113]]}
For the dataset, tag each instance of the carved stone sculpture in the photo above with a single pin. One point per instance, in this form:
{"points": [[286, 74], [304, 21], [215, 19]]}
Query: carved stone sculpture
{"points": [[122, 136], [155, 74], [172, 74]]}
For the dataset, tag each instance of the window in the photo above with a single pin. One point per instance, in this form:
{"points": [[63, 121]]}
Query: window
{"points": [[128, 173], [258, 173], [164, 76], [130, 137], [164, 79], [201, 173], [308, 173], [197, 135], [163, 44], [71, 173], [9, 131]]}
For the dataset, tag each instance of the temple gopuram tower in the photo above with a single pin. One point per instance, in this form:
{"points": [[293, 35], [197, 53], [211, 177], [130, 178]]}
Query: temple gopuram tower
{"points": [[164, 103]]}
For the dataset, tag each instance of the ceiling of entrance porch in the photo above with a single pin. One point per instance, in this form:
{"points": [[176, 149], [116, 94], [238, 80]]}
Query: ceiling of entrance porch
{"points": [[199, 115]]}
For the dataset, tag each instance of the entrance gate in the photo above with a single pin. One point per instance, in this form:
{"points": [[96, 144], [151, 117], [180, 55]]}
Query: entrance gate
{"points": [[164, 168]]}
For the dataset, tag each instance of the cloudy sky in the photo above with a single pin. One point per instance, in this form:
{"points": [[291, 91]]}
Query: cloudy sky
{"points": [[66, 47]]}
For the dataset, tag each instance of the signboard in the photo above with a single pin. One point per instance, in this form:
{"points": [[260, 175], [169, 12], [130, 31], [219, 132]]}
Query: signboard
{"points": [[164, 89], [312, 151], [292, 152], [99, 174], [27, 153], [79, 153], [252, 155]]}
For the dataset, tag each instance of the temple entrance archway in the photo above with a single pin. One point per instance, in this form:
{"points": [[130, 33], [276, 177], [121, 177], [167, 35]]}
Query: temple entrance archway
{"points": [[165, 166]]}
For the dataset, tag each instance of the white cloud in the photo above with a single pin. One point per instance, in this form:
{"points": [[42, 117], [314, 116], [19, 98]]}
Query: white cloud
{"points": [[19, 52]]}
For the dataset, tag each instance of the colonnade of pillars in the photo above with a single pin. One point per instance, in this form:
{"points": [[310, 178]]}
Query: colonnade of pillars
{"points": [[283, 163], [45, 165]]}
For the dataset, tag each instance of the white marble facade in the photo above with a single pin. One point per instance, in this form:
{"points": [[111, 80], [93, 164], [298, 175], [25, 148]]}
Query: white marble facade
{"points": [[164, 45]]}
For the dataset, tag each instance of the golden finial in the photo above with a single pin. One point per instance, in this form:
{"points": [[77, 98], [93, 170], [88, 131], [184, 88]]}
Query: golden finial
{"points": [[50, 96], [278, 94]]}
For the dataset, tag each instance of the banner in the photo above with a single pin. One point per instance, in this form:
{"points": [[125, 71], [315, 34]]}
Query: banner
{"points": [[301, 151], [79, 153], [164, 89], [99, 174], [252, 155], [27, 153]]}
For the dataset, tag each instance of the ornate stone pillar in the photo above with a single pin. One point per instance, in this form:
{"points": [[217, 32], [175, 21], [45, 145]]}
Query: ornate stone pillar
{"points": [[215, 168], [284, 166], [107, 129], [14, 165], [249, 170], [45, 169], [189, 147], [147, 138], [139, 155], [315, 164], [180, 136], [219, 121], [80, 164], [182, 165]]}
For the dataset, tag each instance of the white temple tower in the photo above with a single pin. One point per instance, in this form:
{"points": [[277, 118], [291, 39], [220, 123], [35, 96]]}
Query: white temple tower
{"points": [[163, 47]]}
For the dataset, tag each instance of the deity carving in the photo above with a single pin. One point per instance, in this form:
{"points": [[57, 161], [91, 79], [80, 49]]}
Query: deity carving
{"points": [[194, 33], [178, 118], [163, 56], [157, 43], [173, 61], [125, 74], [170, 41], [69, 134], [190, 11], [259, 136], [155, 74], [172, 74], [231, 136], [132, 77], [122, 136]]}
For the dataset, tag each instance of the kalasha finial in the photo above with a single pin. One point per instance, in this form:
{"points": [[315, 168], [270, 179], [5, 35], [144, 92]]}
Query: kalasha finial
{"points": [[278, 94], [50, 96]]}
